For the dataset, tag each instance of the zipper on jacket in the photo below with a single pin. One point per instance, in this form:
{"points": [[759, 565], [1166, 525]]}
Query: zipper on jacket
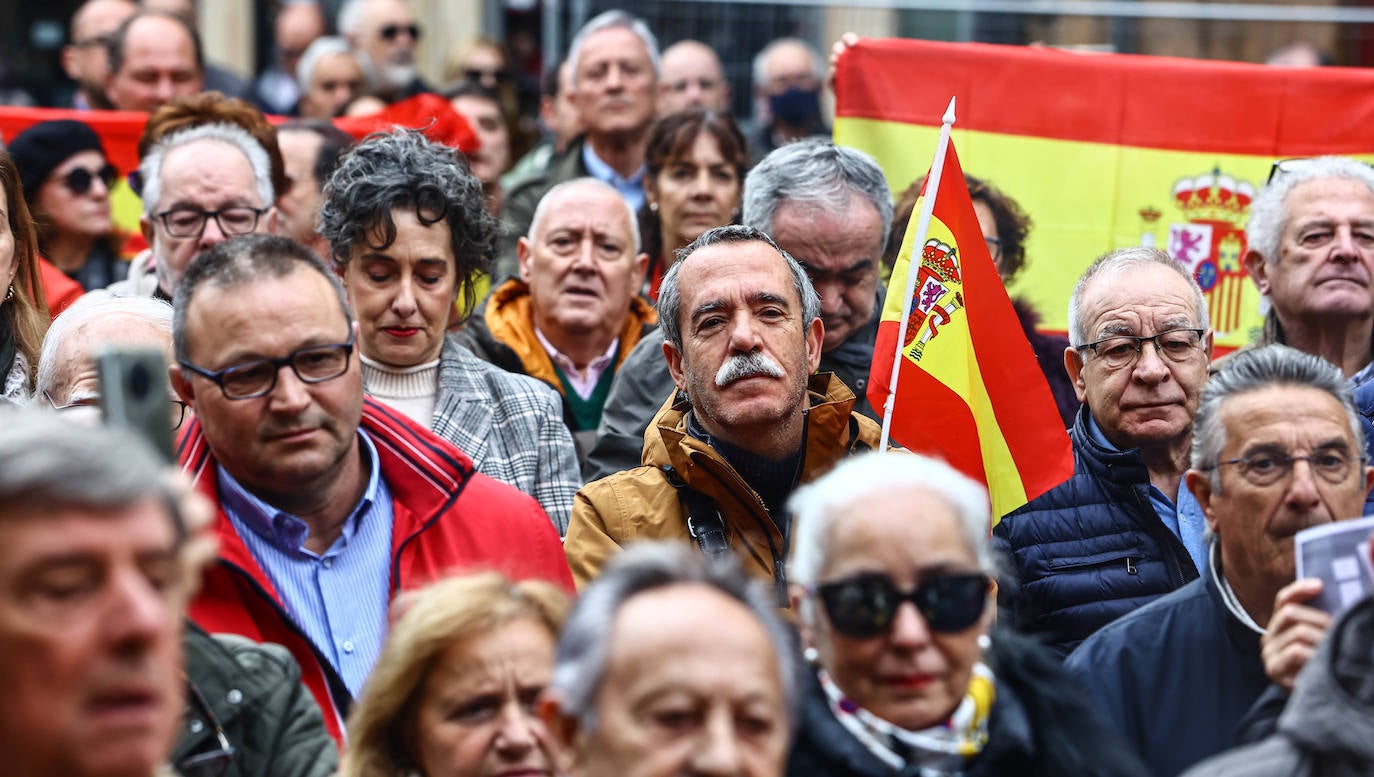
{"points": [[1130, 568]]}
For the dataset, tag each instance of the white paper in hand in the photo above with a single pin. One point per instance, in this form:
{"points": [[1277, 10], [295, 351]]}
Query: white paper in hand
{"points": [[1338, 554]]}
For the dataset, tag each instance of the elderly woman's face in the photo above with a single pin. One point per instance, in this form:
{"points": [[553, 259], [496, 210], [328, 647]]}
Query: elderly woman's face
{"points": [[909, 674], [695, 192], [402, 294], [476, 716]]}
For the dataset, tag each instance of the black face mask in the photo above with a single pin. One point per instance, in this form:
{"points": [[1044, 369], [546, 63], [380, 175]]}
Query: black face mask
{"points": [[796, 107]]}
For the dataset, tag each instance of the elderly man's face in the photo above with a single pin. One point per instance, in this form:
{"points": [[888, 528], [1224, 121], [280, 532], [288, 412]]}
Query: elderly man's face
{"points": [[335, 81], [614, 86], [201, 176], [1325, 262], [91, 605], [388, 36], [159, 66], [582, 265], [789, 66], [746, 351], [76, 387], [298, 437], [841, 252], [692, 78], [86, 58], [1255, 519], [1152, 399], [716, 708], [910, 674]]}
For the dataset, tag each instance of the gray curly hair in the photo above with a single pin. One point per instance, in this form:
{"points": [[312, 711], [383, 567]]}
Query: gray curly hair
{"points": [[404, 169]]}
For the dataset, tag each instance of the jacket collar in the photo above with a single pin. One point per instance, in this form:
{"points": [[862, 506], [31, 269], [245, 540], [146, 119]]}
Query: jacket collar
{"points": [[1112, 466], [464, 401], [424, 473]]}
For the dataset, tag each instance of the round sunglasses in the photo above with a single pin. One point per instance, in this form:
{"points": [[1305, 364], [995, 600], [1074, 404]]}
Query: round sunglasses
{"points": [[80, 179]]}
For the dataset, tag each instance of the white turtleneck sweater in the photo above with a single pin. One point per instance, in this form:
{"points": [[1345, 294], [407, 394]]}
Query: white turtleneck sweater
{"points": [[412, 390]]}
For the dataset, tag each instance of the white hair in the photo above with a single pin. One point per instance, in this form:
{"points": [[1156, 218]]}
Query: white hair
{"points": [[1116, 262], [151, 166], [350, 17], [608, 20], [1268, 215], [97, 306], [318, 49], [857, 479]]}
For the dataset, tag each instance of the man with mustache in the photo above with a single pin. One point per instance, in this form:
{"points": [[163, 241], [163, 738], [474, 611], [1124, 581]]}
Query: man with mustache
{"points": [[1122, 530], [574, 313], [742, 336], [1277, 448], [329, 503]]}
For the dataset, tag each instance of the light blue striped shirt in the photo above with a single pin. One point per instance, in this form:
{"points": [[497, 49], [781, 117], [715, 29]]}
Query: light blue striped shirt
{"points": [[632, 188], [1182, 517], [339, 599]]}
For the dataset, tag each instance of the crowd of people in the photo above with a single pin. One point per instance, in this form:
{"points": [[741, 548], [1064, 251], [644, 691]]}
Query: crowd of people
{"points": [[564, 464]]}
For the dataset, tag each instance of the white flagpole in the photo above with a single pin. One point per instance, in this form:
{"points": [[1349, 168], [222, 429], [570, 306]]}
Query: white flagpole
{"points": [[914, 266]]}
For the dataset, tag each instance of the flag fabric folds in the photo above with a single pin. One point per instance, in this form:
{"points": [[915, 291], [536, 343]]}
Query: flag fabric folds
{"points": [[1105, 151], [969, 388]]}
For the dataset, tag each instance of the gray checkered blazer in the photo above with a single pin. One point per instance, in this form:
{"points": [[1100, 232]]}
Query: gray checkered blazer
{"points": [[511, 426]]}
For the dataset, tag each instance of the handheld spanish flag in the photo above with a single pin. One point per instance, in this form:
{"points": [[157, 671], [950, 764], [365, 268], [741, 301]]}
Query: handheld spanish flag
{"points": [[964, 383]]}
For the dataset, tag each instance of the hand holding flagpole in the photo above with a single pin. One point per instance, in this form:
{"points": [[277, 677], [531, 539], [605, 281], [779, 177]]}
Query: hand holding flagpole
{"points": [[917, 243]]}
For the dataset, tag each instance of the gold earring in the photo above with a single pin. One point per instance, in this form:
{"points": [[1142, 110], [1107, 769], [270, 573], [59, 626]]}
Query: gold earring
{"points": [[9, 294]]}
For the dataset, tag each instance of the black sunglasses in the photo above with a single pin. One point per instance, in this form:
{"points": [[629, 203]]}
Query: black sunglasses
{"points": [[390, 31], [79, 180], [478, 74], [864, 606]]}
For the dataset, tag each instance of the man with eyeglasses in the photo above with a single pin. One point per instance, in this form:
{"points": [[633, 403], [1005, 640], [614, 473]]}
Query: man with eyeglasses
{"points": [[1277, 448], [202, 185], [85, 58], [1311, 254], [1121, 530], [329, 503], [67, 378], [384, 34]]}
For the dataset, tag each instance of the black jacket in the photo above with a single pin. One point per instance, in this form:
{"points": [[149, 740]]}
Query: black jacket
{"points": [[1040, 726], [1091, 549], [254, 692]]}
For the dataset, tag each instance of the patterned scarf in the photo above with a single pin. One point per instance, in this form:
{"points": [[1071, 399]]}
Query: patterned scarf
{"points": [[943, 750]]}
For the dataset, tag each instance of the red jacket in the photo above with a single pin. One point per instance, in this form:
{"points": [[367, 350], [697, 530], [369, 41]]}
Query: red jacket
{"points": [[448, 518]]}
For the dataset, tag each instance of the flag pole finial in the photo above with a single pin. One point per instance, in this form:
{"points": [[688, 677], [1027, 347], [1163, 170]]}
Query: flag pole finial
{"points": [[949, 113]]}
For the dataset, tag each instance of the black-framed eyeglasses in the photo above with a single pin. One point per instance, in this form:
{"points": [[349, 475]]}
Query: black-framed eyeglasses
{"points": [[1267, 467], [256, 378], [865, 605], [1117, 351], [79, 179], [215, 762], [190, 222], [994, 248], [390, 31], [176, 409], [1294, 164]]}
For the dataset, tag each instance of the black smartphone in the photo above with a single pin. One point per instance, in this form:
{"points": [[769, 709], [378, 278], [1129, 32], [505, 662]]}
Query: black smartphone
{"points": [[133, 394]]}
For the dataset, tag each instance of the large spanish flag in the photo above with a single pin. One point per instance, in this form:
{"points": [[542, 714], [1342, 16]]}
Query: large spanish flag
{"points": [[1107, 150], [967, 384]]}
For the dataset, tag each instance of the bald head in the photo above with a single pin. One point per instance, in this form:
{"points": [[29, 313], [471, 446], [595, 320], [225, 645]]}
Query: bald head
{"points": [[691, 76], [85, 58]]}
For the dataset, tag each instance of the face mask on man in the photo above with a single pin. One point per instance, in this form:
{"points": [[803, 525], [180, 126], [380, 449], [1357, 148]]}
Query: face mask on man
{"points": [[796, 107]]}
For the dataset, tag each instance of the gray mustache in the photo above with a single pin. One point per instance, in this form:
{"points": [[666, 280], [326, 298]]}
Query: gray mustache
{"points": [[739, 367]]}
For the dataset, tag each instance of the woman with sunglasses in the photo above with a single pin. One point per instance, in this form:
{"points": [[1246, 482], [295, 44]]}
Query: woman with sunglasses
{"points": [[891, 581], [67, 181], [453, 693]]}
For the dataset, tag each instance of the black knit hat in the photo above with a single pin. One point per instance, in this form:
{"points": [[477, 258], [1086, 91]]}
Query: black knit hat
{"points": [[42, 148]]}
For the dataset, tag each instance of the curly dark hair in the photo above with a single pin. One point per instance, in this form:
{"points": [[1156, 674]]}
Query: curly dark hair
{"points": [[1012, 223], [404, 169]]}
